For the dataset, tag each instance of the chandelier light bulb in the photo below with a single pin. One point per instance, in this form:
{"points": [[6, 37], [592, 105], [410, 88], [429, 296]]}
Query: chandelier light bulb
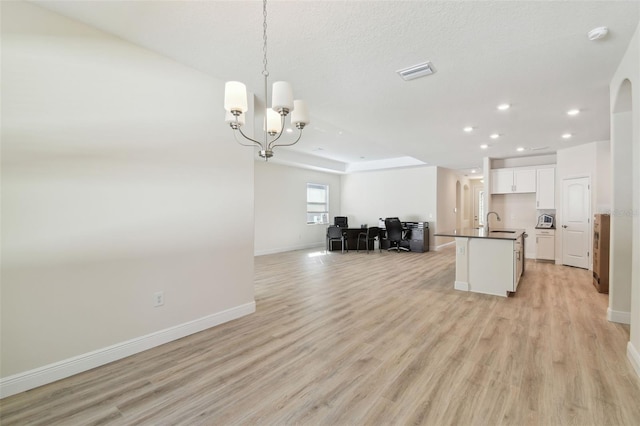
{"points": [[274, 122], [300, 114], [235, 97], [282, 97]]}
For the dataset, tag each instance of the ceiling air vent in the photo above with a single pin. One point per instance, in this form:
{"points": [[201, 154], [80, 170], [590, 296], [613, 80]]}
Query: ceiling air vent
{"points": [[416, 71]]}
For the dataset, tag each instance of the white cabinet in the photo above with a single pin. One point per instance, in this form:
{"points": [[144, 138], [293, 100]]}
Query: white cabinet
{"points": [[545, 244], [524, 180], [546, 188], [513, 180], [501, 181]]}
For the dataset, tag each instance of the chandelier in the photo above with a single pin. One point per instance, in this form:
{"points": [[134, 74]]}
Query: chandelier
{"points": [[282, 103]]}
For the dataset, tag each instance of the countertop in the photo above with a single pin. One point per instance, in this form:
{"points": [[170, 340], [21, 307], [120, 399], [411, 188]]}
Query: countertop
{"points": [[494, 233]]}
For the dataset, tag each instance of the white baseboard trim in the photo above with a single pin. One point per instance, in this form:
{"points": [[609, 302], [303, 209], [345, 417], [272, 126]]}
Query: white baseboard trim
{"points": [[461, 285], [21, 382], [619, 316], [634, 357]]}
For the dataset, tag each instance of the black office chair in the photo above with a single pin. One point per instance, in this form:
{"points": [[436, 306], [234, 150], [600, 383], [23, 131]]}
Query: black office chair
{"points": [[341, 221], [335, 233], [395, 234], [367, 235]]}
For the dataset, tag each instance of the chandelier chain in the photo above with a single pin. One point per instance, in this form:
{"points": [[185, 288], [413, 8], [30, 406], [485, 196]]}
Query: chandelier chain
{"points": [[265, 72]]}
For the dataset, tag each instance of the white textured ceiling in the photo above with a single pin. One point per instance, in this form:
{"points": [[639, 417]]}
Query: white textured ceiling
{"points": [[342, 57]]}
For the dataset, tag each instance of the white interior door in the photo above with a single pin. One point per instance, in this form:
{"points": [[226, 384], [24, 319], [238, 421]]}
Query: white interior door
{"points": [[576, 226]]}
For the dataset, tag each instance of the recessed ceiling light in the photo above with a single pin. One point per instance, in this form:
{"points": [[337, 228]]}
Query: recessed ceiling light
{"points": [[468, 129], [494, 136], [484, 146], [520, 149], [567, 136], [473, 170], [289, 130], [573, 112], [504, 107]]}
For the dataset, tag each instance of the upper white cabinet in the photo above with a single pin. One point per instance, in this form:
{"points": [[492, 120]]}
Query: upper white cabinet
{"points": [[513, 180], [546, 189], [501, 181]]}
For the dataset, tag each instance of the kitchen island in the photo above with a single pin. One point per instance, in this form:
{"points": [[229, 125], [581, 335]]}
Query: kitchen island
{"points": [[489, 262]]}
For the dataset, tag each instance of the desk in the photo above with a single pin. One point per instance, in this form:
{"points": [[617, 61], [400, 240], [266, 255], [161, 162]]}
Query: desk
{"points": [[352, 240], [417, 236]]}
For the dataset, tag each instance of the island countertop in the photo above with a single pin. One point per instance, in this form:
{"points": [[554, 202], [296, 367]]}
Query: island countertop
{"points": [[494, 234]]}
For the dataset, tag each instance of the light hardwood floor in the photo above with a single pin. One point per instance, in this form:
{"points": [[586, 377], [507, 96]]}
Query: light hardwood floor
{"points": [[378, 338]]}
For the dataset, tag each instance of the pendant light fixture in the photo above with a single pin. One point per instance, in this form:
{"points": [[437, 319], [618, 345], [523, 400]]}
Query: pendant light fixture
{"points": [[282, 103]]}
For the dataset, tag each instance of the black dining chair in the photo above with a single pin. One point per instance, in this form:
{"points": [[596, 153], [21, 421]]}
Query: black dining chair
{"points": [[336, 233], [369, 235]]}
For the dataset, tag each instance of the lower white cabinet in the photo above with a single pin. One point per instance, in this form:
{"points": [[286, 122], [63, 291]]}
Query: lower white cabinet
{"points": [[545, 244]]}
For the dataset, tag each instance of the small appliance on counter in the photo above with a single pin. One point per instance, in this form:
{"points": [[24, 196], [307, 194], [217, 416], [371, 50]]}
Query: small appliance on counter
{"points": [[545, 221]]}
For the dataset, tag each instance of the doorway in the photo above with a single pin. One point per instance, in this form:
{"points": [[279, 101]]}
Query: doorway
{"points": [[479, 210], [576, 224]]}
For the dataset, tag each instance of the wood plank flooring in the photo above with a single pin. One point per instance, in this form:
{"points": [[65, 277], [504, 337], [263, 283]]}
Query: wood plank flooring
{"points": [[367, 339]]}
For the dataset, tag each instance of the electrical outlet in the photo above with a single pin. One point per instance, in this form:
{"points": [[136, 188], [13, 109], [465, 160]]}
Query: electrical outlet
{"points": [[158, 298]]}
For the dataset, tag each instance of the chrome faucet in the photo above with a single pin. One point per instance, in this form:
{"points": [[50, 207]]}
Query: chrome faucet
{"points": [[497, 217]]}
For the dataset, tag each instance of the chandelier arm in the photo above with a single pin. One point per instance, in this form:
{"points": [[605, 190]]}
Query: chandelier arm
{"points": [[246, 137], [289, 144]]}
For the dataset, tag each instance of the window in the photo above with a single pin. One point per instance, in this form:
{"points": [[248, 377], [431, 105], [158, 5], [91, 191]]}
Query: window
{"points": [[317, 203]]}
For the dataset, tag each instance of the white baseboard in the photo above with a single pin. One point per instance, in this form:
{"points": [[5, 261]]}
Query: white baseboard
{"points": [[21, 382], [634, 357], [461, 285], [619, 316]]}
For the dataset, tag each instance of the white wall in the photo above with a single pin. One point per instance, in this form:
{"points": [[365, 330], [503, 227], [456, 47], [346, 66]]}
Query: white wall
{"points": [[119, 179], [517, 211], [602, 187], [409, 194], [628, 71], [281, 207]]}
